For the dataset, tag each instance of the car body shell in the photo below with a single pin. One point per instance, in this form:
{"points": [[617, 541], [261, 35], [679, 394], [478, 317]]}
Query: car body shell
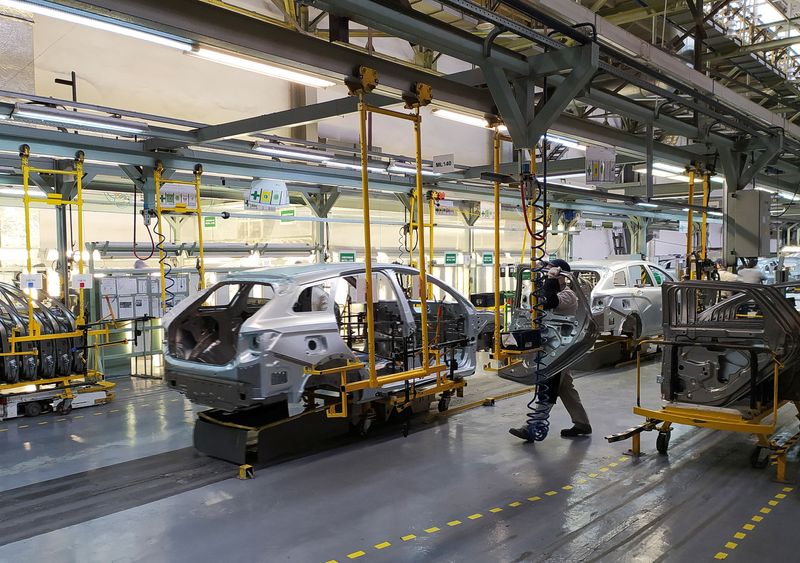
{"points": [[626, 295], [272, 348]]}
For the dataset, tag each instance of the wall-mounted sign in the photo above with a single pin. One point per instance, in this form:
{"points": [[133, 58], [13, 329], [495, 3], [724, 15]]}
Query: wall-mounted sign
{"points": [[444, 163], [600, 163], [209, 222], [347, 257], [287, 213], [450, 258], [488, 258]]}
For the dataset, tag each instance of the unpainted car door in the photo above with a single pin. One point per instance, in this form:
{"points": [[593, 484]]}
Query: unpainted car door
{"points": [[647, 296]]}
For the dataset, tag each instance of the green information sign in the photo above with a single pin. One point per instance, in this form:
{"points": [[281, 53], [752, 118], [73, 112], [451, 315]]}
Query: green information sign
{"points": [[488, 258], [450, 258], [526, 275], [210, 221], [287, 213], [657, 276], [347, 257]]}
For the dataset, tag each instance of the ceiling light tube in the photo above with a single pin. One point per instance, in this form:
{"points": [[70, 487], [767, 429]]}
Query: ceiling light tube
{"points": [[566, 176], [645, 204], [61, 117], [298, 153], [459, 117], [715, 213], [668, 167], [565, 142], [350, 166], [259, 67], [97, 22], [656, 172], [410, 170]]}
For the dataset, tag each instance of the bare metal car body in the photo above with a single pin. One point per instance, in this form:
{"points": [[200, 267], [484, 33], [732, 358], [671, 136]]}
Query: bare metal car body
{"points": [[721, 339], [626, 295], [564, 338], [253, 348]]}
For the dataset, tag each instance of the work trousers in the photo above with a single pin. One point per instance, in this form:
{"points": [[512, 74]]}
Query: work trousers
{"points": [[561, 385]]}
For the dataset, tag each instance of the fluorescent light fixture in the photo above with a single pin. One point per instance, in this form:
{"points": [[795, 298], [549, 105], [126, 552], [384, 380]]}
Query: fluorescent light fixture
{"points": [[298, 153], [565, 142], [465, 118], [685, 209], [566, 176], [668, 167], [715, 213], [61, 117], [553, 184], [401, 169], [787, 195], [645, 204], [759, 188], [350, 166], [97, 23], [259, 67], [656, 172]]}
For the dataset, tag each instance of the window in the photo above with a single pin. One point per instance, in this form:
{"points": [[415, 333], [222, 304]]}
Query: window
{"points": [[660, 275], [225, 294], [314, 299], [640, 276], [619, 279]]}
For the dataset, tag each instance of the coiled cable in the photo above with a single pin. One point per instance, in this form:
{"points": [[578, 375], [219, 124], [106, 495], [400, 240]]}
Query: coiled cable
{"points": [[169, 282]]}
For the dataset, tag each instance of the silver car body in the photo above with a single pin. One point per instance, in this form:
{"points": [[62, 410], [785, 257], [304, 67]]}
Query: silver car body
{"points": [[626, 295], [255, 347]]}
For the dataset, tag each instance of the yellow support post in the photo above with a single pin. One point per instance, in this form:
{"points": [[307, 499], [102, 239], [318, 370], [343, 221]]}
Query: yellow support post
{"points": [[423, 275], [80, 321], [704, 221], [690, 227], [362, 114], [431, 210], [33, 326], [198, 173], [496, 167]]}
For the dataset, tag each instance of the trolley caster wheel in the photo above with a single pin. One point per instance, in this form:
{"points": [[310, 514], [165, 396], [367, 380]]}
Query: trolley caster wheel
{"points": [[662, 442], [365, 425], [33, 409], [444, 404], [405, 429], [756, 461], [64, 407]]}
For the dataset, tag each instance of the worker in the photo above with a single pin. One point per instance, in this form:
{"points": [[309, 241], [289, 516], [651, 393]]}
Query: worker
{"points": [[723, 274], [751, 274], [561, 300]]}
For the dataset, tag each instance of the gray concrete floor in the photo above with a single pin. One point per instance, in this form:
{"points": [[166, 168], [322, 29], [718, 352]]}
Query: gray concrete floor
{"points": [[460, 490]]}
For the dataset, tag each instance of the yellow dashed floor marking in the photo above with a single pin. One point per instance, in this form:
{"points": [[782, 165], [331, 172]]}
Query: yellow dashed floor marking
{"points": [[114, 410], [61, 419], [454, 523], [780, 495], [593, 475], [614, 464], [739, 535], [581, 481], [731, 545], [534, 499], [42, 423], [551, 493], [332, 561], [721, 555], [79, 416], [757, 518], [787, 489], [409, 537], [98, 413], [382, 545], [23, 426], [3, 429], [773, 503], [432, 530], [567, 487], [623, 458], [475, 516], [749, 527], [496, 510], [515, 504], [765, 510], [604, 469], [355, 555]]}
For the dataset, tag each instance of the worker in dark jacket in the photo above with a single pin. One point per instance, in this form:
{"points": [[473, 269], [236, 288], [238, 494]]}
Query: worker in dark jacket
{"points": [[561, 300]]}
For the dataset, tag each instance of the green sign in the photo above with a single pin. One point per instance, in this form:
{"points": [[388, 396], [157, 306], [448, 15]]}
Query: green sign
{"points": [[657, 276], [287, 213], [210, 221], [450, 258], [488, 258], [347, 257], [526, 275]]}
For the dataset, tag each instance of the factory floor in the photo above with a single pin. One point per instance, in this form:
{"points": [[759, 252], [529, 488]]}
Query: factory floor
{"points": [[113, 486]]}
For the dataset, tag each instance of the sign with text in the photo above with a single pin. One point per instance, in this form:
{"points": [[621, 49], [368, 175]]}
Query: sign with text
{"points": [[488, 258], [450, 258], [209, 222], [444, 163], [347, 257], [289, 214], [600, 162], [267, 194]]}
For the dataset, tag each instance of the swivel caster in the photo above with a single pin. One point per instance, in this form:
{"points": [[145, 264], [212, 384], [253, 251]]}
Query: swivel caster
{"points": [[365, 424], [662, 442], [444, 403], [757, 461]]}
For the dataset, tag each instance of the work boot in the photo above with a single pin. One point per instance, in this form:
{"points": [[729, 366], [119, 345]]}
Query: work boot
{"points": [[521, 433], [576, 431]]}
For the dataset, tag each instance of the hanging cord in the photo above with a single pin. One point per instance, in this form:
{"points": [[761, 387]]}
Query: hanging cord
{"points": [[152, 243], [169, 282]]}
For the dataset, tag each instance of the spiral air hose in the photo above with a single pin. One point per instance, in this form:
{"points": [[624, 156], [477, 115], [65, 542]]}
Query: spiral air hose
{"points": [[169, 282]]}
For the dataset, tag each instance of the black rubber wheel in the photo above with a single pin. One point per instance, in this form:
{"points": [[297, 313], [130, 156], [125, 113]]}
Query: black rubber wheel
{"points": [[444, 404], [662, 442], [755, 458], [33, 409], [64, 407], [365, 425]]}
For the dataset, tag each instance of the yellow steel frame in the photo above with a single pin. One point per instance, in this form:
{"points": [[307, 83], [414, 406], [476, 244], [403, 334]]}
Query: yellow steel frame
{"points": [[427, 368], [703, 221], [704, 217], [34, 330], [179, 209], [713, 418], [690, 227]]}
